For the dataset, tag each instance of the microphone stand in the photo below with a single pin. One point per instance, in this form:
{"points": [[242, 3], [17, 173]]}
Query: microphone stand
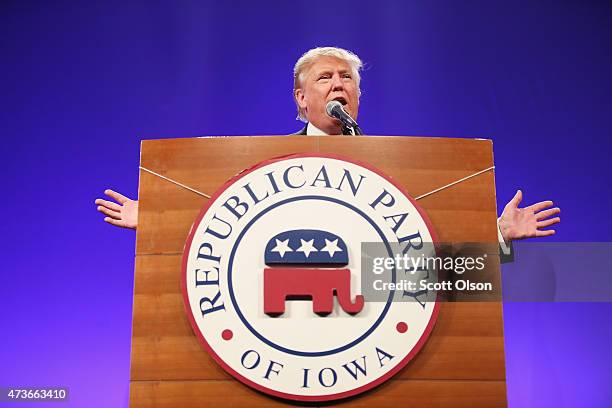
{"points": [[357, 130]]}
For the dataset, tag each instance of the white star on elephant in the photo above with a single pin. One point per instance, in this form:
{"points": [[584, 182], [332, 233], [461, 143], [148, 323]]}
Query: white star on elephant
{"points": [[282, 247], [331, 247], [307, 247]]}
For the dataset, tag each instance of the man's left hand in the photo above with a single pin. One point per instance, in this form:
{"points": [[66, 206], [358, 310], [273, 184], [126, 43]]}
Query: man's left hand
{"points": [[528, 222]]}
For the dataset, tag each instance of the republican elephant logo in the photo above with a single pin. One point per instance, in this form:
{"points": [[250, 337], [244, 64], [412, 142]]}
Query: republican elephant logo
{"points": [[304, 265]]}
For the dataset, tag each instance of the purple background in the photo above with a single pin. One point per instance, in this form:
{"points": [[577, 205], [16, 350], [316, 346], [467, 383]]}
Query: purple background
{"points": [[82, 83]]}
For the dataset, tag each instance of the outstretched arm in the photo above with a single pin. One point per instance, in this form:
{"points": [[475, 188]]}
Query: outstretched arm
{"points": [[528, 222], [122, 213]]}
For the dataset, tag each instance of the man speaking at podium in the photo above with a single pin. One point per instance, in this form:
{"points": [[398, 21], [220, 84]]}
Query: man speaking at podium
{"points": [[326, 92]]}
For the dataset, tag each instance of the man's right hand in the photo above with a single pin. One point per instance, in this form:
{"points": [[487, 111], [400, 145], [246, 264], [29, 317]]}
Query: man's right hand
{"points": [[123, 213]]}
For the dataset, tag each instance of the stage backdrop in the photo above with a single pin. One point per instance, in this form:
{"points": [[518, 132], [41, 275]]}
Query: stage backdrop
{"points": [[81, 83]]}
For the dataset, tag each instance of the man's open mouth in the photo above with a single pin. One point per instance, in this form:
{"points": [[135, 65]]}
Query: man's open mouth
{"points": [[341, 100]]}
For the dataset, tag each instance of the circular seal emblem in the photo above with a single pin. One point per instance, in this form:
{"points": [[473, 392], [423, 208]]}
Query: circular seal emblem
{"points": [[272, 278]]}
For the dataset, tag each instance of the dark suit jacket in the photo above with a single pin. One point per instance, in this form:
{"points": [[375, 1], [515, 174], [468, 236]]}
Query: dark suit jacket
{"points": [[301, 132]]}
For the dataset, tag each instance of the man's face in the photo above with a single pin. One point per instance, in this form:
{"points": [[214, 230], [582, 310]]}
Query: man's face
{"points": [[327, 79]]}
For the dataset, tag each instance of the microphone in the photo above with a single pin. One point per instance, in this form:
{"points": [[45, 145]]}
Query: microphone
{"points": [[336, 110]]}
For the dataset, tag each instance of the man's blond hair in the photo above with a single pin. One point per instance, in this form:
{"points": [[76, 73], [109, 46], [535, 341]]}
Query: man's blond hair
{"points": [[309, 57]]}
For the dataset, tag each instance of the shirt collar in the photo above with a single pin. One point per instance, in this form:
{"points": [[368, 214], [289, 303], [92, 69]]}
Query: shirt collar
{"points": [[312, 130]]}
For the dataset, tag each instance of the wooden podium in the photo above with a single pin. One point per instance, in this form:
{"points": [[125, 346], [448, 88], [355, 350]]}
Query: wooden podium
{"points": [[462, 363]]}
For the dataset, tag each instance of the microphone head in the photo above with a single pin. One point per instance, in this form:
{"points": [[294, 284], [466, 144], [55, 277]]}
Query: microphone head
{"points": [[331, 107]]}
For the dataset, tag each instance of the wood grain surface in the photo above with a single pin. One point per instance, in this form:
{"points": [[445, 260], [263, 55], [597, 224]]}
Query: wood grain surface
{"points": [[462, 363]]}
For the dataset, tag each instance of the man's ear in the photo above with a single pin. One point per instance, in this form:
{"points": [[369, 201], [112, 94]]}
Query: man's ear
{"points": [[298, 94]]}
